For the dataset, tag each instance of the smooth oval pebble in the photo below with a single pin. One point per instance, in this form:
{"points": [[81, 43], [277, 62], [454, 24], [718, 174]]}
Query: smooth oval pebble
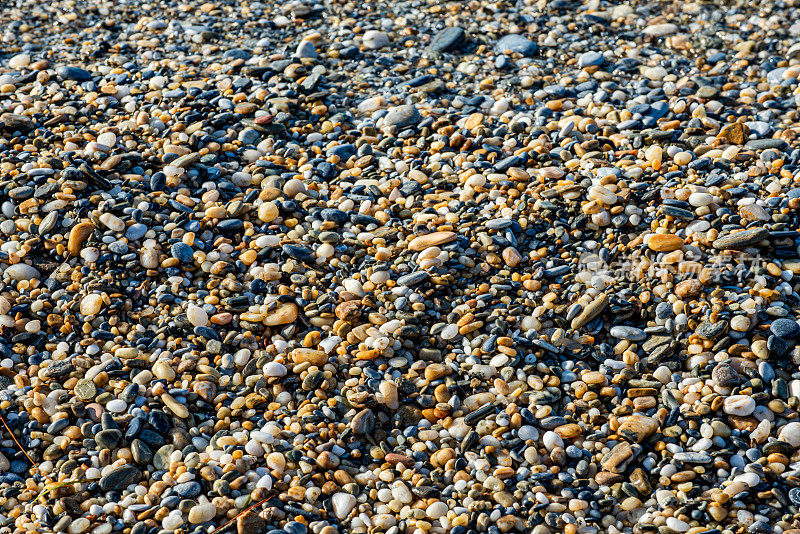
{"points": [[202, 513], [628, 332], [21, 271], [665, 242], [741, 405]]}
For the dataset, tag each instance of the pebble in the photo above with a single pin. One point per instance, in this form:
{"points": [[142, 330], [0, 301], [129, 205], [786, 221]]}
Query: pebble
{"points": [[725, 375], [402, 116], [69, 72], [21, 272], [517, 44], [375, 39], [120, 478], [741, 239], [594, 308], [628, 333], [201, 513], [791, 434], [19, 61], [785, 328], [591, 59], [447, 40], [343, 504], [740, 405], [660, 30]]}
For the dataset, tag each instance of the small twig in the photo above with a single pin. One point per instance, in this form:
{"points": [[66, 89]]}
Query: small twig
{"points": [[246, 510], [17, 442], [60, 484]]}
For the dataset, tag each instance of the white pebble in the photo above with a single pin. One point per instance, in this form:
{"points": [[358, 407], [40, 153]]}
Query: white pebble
{"points": [[196, 315], [741, 405], [374, 39]]}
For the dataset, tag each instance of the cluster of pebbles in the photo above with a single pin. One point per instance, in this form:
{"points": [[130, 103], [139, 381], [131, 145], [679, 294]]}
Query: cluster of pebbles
{"points": [[399, 267]]}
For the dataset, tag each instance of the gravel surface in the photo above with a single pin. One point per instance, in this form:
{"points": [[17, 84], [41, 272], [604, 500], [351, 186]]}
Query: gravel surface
{"points": [[407, 267]]}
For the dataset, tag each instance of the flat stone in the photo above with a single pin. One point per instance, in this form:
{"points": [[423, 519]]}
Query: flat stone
{"points": [[120, 478], [12, 122], [766, 144], [403, 116], [743, 239], [697, 458], [660, 30], [665, 242], [447, 40], [628, 332], [740, 405], [517, 44], [615, 459], [77, 74], [433, 239], [725, 375], [754, 212], [591, 59], [656, 341], [413, 279]]}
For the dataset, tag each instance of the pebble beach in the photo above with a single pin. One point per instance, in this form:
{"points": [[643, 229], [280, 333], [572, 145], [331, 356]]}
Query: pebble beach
{"points": [[399, 267]]}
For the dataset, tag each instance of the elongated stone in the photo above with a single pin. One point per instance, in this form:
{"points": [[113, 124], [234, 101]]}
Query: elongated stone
{"points": [[78, 236], [180, 410], [431, 240], [592, 310], [284, 314], [743, 239]]}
